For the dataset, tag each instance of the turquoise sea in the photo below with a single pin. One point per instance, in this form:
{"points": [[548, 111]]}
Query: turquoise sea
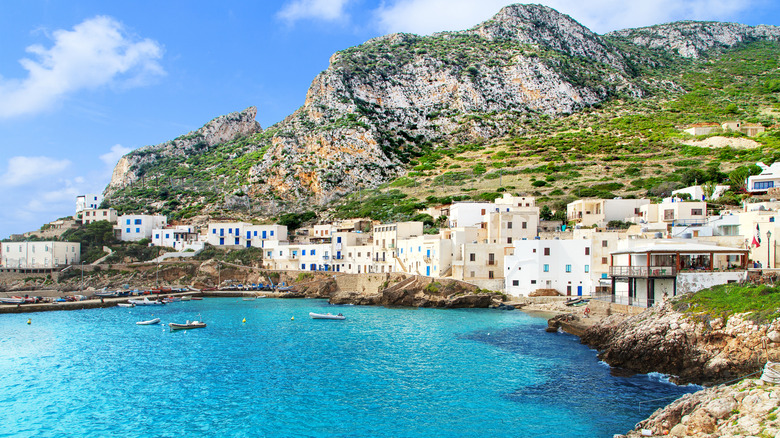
{"points": [[379, 373]]}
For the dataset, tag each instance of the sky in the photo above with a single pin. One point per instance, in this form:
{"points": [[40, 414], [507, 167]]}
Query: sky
{"points": [[84, 82]]}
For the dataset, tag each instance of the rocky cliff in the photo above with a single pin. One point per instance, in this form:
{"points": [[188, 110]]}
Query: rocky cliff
{"points": [[692, 39], [383, 103], [691, 349]]}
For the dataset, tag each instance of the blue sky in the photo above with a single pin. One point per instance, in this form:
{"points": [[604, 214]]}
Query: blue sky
{"points": [[83, 82]]}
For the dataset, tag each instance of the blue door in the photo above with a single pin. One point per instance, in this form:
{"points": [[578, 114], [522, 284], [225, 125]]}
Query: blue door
{"points": [[579, 291], [313, 267], [428, 271]]}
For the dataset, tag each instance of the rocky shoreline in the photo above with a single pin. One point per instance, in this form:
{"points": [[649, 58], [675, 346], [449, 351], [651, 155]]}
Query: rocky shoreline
{"points": [[690, 349]]}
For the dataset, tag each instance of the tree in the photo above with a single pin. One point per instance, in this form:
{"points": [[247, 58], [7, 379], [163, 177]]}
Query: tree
{"points": [[545, 213]]}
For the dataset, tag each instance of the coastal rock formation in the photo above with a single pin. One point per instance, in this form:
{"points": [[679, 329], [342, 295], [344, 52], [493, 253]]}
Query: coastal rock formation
{"points": [[690, 348], [745, 409], [413, 291]]}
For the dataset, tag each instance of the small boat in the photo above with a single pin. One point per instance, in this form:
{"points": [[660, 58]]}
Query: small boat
{"points": [[186, 298], [106, 293], [326, 316], [149, 322], [144, 302], [12, 300], [126, 305], [252, 298], [187, 325], [197, 298]]}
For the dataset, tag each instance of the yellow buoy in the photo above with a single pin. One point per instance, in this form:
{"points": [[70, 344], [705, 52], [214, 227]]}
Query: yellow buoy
{"points": [[292, 318], [29, 321], [243, 320]]}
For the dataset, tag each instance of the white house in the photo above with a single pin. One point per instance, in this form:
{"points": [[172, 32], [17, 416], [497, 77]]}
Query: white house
{"points": [[675, 213], [90, 201], [180, 238], [135, 227], [768, 178], [469, 214], [697, 193], [40, 255], [386, 237], [428, 255], [562, 265], [245, 235]]}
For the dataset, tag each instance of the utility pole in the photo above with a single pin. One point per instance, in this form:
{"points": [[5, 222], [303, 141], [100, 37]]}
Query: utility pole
{"points": [[768, 249]]}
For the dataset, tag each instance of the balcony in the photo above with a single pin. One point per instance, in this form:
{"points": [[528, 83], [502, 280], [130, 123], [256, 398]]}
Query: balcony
{"points": [[642, 271]]}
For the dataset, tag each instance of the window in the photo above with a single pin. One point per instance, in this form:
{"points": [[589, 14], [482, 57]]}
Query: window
{"points": [[604, 243], [525, 225], [515, 282], [236, 241], [137, 230], [338, 239], [509, 225], [156, 236], [759, 185], [472, 257], [303, 252], [312, 252], [138, 222], [213, 231], [547, 251], [587, 250], [533, 281], [636, 210], [696, 212], [546, 268], [587, 268], [127, 222], [490, 274], [604, 261], [568, 268], [508, 240]]}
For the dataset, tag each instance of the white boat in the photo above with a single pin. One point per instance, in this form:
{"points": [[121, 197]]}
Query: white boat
{"points": [[149, 322], [326, 316], [144, 302], [126, 305], [12, 300], [187, 325]]}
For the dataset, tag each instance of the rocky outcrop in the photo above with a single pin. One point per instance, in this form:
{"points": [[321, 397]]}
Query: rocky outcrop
{"points": [[689, 348], [745, 409], [219, 130], [416, 291], [692, 39]]}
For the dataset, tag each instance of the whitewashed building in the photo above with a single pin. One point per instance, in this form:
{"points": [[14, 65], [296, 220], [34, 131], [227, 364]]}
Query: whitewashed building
{"points": [[179, 237], [675, 213], [40, 255], [135, 227], [562, 265], [769, 178], [385, 243], [89, 201], [245, 235]]}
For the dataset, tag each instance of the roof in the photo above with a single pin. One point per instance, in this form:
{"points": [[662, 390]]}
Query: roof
{"points": [[677, 246]]}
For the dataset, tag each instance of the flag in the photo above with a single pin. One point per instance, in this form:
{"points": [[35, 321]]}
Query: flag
{"points": [[757, 237]]}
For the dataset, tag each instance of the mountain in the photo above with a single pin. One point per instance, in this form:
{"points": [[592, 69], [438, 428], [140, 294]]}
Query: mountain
{"points": [[382, 106]]}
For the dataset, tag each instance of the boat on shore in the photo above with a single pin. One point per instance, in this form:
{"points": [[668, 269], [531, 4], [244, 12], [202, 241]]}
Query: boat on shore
{"points": [[12, 300], [149, 322], [187, 325], [126, 305], [326, 316]]}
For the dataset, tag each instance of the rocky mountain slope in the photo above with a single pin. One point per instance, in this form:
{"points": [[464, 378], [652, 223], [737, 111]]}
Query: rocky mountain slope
{"points": [[380, 105]]}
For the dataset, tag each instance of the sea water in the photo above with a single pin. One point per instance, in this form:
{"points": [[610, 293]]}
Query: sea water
{"points": [[382, 372]]}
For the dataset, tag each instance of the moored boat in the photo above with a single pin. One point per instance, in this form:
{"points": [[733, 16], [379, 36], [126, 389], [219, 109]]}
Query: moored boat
{"points": [[326, 316], [144, 302], [149, 322], [187, 325], [126, 305], [12, 300]]}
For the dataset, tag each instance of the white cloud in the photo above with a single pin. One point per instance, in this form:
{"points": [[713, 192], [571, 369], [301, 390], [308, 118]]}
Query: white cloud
{"points": [[328, 10], [428, 16], [96, 53], [29, 170], [111, 158]]}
